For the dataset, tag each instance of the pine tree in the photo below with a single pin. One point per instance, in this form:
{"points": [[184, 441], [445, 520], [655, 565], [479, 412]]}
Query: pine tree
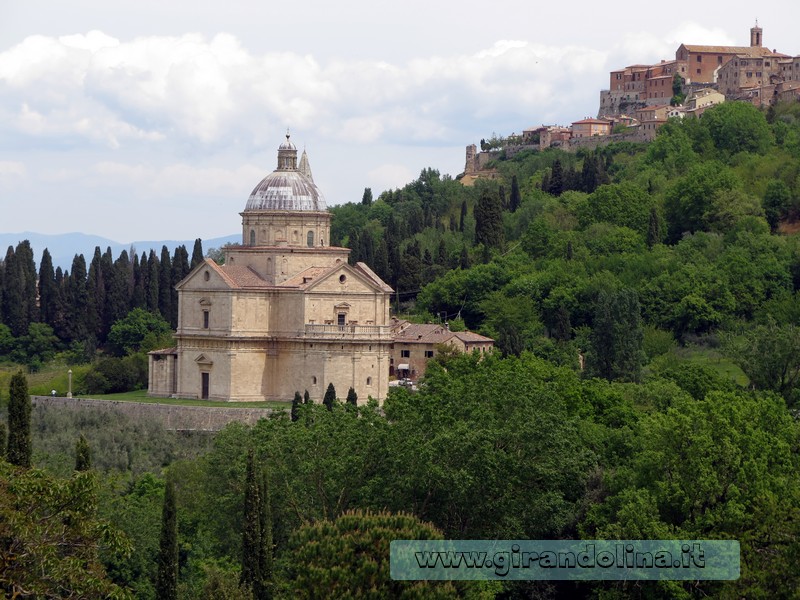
{"points": [[197, 253], [167, 577], [306, 397], [19, 422], [352, 397], [295, 412], [516, 200], [330, 396], [83, 458]]}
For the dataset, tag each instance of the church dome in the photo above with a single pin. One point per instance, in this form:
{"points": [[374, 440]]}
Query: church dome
{"points": [[287, 188]]}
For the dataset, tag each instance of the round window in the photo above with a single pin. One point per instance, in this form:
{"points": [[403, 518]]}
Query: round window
{"points": [[342, 278]]}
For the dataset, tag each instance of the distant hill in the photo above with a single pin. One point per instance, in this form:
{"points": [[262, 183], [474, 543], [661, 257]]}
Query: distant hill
{"points": [[63, 247]]}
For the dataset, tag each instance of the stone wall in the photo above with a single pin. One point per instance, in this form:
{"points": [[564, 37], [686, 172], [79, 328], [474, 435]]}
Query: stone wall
{"points": [[175, 418]]}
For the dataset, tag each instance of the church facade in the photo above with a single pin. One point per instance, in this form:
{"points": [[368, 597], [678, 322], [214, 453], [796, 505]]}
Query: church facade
{"points": [[284, 313]]}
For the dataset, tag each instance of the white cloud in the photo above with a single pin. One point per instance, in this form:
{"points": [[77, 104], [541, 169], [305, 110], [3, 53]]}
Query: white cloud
{"points": [[389, 176]]}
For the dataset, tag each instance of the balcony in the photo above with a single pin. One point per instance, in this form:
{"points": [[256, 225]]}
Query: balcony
{"points": [[347, 332]]}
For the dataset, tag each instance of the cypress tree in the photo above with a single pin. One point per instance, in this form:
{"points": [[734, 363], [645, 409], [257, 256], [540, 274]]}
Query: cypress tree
{"points": [[263, 587], [151, 291], [306, 398], [251, 534], [165, 285], [381, 265], [197, 253], [3, 440], [366, 199], [83, 458], [556, 183], [19, 422], [167, 577], [139, 296], [295, 412], [76, 302], [180, 269], [489, 222], [653, 228], [330, 396], [464, 261], [48, 292], [119, 287], [352, 397], [96, 290], [463, 215], [516, 200], [501, 193]]}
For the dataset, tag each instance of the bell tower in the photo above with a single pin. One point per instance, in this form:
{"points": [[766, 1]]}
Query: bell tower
{"points": [[756, 38]]}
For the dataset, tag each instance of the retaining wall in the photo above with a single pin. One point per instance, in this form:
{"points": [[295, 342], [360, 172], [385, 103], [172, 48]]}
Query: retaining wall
{"points": [[176, 418]]}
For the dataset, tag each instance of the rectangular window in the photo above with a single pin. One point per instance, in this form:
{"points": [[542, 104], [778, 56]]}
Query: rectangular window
{"points": [[341, 317], [405, 353], [698, 71], [428, 353], [205, 319], [719, 60], [699, 58]]}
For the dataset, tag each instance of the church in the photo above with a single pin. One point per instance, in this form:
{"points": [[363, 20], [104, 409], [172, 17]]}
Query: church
{"points": [[284, 313]]}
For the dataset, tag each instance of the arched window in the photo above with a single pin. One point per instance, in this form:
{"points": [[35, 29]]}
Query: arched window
{"points": [[252, 237], [310, 239], [369, 380], [313, 380]]}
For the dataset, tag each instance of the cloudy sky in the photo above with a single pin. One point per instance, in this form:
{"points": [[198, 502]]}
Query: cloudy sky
{"points": [[155, 119]]}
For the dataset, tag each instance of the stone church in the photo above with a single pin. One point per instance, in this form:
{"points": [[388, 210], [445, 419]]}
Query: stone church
{"points": [[284, 313]]}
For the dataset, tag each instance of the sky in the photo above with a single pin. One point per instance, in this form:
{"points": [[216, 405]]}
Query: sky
{"points": [[154, 120]]}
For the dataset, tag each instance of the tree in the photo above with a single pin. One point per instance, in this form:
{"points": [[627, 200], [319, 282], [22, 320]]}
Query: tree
{"points": [[137, 331], [167, 577], [257, 532], [516, 200], [653, 228], [617, 335], [330, 396], [738, 127], [295, 412], [83, 459], [366, 199], [197, 253], [489, 221], [19, 422], [52, 538], [48, 292], [352, 397], [769, 355], [777, 200], [315, 568], [306, 397]]}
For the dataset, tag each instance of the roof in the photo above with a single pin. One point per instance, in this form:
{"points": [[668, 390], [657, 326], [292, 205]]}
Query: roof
{"points": [[746, 50], [431, 333], [591, 122], [244, 277], [306, 277], [287, 187]]}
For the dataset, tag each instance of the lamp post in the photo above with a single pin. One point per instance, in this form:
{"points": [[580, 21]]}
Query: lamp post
{"points": [[69, 374]]}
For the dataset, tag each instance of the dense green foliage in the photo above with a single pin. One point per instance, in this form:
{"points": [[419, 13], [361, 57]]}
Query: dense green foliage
{"points": [[644, 299], [167, 576]]}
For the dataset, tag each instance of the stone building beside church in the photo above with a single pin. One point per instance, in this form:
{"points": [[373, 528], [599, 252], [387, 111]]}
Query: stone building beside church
{"points": [[284, 313]]}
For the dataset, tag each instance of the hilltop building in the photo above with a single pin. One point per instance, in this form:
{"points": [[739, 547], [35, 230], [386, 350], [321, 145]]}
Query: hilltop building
{"points": [[285, 312], [753, 73]]}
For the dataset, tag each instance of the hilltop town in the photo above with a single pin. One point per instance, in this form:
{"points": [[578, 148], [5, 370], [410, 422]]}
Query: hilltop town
{"points": [[641, 98]]}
